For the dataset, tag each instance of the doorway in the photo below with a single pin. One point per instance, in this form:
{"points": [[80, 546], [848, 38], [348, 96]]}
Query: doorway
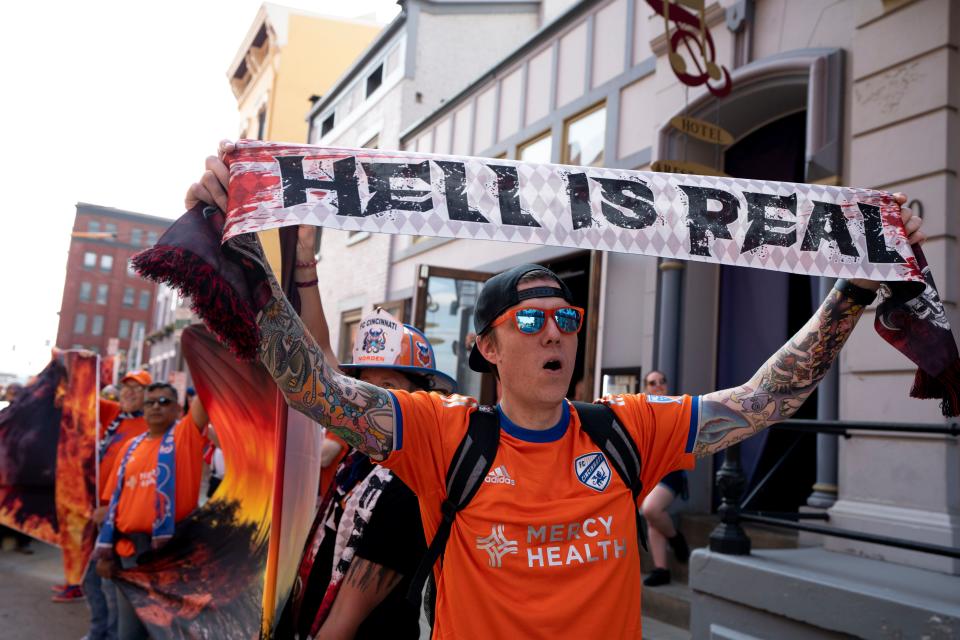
{"points": [[759, 311]]}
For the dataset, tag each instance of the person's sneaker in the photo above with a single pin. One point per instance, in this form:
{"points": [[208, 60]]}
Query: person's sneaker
{"points": [[73, 593], [657, 578], [680, 549], [57, 588]]}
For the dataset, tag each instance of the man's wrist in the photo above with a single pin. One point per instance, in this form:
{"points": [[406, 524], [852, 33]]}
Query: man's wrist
{"points": [[855, 292]]}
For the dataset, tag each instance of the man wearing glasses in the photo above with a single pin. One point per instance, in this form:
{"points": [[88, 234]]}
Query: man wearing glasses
{"points": [[547, 547], [153, 484]]}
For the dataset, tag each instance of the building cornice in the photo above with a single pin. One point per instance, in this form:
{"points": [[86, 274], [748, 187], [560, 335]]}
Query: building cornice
{"points": [[121, 214]]}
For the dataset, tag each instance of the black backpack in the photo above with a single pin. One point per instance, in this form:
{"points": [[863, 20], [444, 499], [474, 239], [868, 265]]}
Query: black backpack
{"points": [[475, 455]]}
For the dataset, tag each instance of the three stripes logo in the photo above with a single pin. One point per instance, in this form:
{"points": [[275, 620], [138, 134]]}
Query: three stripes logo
{"points": [[499, 476]]}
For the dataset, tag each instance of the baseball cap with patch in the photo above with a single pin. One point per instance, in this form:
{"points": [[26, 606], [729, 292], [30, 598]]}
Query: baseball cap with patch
{"points": [[383, 342], [140, 377], [499, 293]]}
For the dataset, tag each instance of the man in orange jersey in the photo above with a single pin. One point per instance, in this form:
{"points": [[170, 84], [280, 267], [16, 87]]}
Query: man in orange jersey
{"points": [[154, 483], [119, 422], [548, 548]]}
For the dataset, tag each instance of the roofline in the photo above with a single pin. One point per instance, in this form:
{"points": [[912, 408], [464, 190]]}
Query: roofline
{"points": [[545, 33], [121, 214], [364, 58]]}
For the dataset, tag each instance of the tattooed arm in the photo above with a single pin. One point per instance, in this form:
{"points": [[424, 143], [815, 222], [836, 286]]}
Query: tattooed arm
{"points": [[364, 588], [787, 379], [781, 385], [360, 413]]}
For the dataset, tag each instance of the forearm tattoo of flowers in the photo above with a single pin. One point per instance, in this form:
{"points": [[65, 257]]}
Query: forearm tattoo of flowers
{"points": [[360, 413], [784, 381]]}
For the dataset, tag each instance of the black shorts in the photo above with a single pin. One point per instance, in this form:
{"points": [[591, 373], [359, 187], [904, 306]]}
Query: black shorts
{"points": [[676, 481]]}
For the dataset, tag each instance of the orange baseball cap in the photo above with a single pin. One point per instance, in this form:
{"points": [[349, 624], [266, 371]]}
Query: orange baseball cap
{"points": [[140, 377]]}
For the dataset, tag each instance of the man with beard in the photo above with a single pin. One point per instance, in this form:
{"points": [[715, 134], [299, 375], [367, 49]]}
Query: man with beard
{"points": [[153, 484]]}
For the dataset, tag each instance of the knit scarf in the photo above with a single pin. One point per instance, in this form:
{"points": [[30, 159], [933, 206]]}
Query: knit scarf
{"points": [[165, 495], [808, 229]]}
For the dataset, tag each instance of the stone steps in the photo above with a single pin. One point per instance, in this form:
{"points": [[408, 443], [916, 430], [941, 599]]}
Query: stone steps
{"points": [[670, 604]]}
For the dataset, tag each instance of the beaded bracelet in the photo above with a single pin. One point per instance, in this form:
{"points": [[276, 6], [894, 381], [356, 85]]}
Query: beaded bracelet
{"points": [[858, 295], [306, 265], [304, 285]]}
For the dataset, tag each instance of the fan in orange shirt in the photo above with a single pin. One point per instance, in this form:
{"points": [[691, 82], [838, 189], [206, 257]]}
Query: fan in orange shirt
{"points": [[119, 422], [140, 505], [547, 546]]}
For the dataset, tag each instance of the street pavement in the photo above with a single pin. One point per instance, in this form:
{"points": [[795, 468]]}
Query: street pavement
{"points": [[26, 610]]}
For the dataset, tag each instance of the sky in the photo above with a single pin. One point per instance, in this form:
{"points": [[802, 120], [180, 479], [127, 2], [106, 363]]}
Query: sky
{"points": [[115, 103]]}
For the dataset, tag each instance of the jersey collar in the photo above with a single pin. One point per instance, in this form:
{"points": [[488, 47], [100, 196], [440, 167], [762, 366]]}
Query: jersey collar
{"points": [[552, 434]]}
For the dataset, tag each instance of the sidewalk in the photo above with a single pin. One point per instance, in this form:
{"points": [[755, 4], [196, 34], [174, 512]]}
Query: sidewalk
{"points": [[25, 607]]}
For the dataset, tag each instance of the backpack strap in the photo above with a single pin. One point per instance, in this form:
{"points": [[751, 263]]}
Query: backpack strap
{"points": [[607, 432], [469, 466]]}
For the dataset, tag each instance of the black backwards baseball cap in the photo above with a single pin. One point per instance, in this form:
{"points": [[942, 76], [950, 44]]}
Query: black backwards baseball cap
{"points": [[499, 293]]}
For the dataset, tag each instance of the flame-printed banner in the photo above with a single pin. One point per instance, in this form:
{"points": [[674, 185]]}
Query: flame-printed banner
{"points": [[802, 228], [48, 459], [208, 580]]}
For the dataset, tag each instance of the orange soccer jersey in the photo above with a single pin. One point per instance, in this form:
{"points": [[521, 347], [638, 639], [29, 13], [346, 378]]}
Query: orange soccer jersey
{"points": [[547, 547], [136, 510], [129, 428]]}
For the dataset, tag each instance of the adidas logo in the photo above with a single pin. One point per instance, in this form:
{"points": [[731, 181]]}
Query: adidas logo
{"points": [[499, 476]]}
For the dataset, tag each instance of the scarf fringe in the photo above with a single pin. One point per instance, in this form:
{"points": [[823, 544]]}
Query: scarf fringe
{"points": [[212, 298], [945, 386]]}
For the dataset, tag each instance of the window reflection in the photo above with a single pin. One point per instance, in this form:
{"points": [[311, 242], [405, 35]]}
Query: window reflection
{"points": [[448, 326], [538, 150], [584, 138]]}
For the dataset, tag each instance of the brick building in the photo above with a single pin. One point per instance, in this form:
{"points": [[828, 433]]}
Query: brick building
{"points": [[103, 297]]}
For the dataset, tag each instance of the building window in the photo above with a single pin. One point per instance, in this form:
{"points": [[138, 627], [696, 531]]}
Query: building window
{"points": [[96, 327], [151, 238], [85, 289], [111, 229], [144, 300], [130, 270], [80, 323], [262, 123], [89, 260], [93, 226], [106, 263], [138, 328], [349, 324], [583, 138], [537, 150], [373, 143], [128, 296], [374, 80], [136, 237], [124, 331], [327, 125], [103, 291]]}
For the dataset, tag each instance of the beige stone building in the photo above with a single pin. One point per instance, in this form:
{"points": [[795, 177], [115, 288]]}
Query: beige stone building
{"points": [[287, 57], [860, 92]]}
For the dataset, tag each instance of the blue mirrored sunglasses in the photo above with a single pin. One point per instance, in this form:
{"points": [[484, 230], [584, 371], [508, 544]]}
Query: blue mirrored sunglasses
{"points": [[531, 320]]}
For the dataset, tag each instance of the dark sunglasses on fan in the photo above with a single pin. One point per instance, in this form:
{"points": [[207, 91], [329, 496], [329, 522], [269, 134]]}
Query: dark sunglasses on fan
{"points": [[532, 320], [160, 402]]}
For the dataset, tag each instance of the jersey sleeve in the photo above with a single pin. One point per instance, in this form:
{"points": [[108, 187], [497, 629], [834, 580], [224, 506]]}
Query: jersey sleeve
{"points": [[664, 429], [424, 424]]}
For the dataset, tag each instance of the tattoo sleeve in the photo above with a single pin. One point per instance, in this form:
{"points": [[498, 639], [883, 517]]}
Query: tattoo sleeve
{"points": [[360, 413], [782, 384]]}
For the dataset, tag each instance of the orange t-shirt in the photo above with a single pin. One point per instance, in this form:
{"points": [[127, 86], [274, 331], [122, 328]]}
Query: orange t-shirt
{"points": [[136, 510], [129, 428], [547, 547]]}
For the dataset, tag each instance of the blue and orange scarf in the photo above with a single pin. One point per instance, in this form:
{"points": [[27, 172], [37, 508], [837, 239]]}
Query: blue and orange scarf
{"points": [[163, 524]]}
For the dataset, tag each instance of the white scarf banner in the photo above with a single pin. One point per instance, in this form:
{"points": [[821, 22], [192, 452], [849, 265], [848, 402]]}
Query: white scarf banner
{"points": [[802, 228]]}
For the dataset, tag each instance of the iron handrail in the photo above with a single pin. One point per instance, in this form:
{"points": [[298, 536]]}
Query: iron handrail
{"points": [[900, 543]]}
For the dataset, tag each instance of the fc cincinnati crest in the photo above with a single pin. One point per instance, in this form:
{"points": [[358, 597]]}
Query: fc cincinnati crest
{"points": [[374, 341], [592, 470]]}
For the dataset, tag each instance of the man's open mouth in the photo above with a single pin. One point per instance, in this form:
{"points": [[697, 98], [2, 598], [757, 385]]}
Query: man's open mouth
{"points": [[553, 365]]}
